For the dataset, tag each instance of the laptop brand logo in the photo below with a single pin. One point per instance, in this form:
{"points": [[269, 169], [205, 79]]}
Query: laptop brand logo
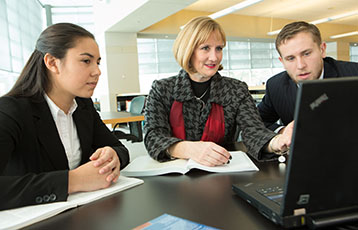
{"points": [[319, 101], [303, 199]]}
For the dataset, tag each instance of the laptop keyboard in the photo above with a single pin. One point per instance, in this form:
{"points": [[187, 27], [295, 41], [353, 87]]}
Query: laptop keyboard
{"points": [[273, 193]]}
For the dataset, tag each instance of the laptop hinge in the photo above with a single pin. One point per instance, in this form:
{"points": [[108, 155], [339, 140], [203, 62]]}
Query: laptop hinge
{"points": [[324, 219]]}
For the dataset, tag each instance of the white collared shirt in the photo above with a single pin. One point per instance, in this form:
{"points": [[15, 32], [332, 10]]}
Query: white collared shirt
{"points": [[321, 77], [68, 133]]}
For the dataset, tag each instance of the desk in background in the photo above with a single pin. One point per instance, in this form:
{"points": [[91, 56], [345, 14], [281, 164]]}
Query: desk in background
{"points": [[113, 118], [120, 117], [257, 92]]}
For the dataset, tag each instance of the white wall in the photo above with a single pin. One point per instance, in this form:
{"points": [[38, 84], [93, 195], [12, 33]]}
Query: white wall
{"points": [[117, 23], [122, 65]]}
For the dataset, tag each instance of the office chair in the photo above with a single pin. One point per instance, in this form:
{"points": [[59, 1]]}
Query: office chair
{"points": [[136, 134]]}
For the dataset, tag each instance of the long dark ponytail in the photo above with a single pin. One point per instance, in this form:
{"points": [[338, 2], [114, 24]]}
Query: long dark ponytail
{"points": [[55, 40]]}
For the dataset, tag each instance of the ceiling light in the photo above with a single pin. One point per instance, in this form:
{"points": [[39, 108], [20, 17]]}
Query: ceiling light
{"points": [[273, 32], [234, 8], [344, 35], [231, 9], [334, 17], [322, 20]]}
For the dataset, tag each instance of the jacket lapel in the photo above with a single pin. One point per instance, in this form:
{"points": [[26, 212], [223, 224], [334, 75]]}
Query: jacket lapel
{"points": [[48, 135], [292, 94], [220, 93], [183, 93], [329, 69], [287, 99], [84, 125], [182, 88]]}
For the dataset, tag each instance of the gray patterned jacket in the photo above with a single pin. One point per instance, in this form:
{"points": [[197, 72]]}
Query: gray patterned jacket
{"points": [[239, 111]]}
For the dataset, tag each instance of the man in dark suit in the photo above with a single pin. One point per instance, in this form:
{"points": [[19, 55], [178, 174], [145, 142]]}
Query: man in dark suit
{"points": [[303, 55]]}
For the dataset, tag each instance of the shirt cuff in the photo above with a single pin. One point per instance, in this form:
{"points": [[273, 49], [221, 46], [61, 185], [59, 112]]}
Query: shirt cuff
{"points": [[278, 129]]}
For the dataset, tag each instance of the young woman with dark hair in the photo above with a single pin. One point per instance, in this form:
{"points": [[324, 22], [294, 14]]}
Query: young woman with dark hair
{"points": [[52, 140]]}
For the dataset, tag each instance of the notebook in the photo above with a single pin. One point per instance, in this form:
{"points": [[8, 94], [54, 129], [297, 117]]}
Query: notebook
{"points": [[320, 186]]}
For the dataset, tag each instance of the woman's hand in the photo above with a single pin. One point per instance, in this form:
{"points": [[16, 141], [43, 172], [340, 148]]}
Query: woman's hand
{"points": [[86, 178], [107, 160], [204, 152], [100, 172]]}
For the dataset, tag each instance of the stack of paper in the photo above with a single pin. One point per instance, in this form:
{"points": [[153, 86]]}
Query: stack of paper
{"points": [[21, 217]]}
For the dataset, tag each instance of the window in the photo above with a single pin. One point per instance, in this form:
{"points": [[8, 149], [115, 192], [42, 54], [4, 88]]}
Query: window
{"points": [[80, 15], [155, 60], [353, 52], [249, 61], [21, 24]]}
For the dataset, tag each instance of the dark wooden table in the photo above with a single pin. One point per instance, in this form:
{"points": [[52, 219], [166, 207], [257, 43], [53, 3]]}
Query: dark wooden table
{"points": [[198, 196]]}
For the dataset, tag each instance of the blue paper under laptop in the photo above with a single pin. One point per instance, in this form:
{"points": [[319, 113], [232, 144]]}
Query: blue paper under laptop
{"points": [[320, 187]]}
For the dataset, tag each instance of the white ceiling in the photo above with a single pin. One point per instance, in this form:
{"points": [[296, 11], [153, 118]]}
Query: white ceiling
{"points": [[307, 10], [67, 2]]}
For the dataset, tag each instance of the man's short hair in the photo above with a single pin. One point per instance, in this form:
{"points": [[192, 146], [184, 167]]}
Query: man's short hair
{"points": [[290, 30]]}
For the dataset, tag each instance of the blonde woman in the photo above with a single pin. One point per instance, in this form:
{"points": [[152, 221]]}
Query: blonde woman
{"points": [[194, 114]]}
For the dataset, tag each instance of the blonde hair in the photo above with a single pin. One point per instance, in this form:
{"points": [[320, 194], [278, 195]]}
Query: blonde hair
{"points": [[195, 32]]}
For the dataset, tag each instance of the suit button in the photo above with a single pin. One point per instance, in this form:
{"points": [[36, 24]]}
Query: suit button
{"points": [[53, 197], [38, 200], [46, 198]]}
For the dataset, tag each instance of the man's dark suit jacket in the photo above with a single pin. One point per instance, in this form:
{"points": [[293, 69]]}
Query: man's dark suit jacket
{"points": [[34, 166], [280, 97]]}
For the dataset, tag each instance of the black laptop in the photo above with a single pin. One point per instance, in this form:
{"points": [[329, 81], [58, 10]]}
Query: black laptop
{"points": [[320, 187]]}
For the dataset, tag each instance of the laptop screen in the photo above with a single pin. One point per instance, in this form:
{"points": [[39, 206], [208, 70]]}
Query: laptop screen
{"points": [[322, 172]]}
